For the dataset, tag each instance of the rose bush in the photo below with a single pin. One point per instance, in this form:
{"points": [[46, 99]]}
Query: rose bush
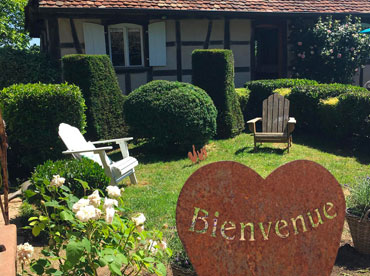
{"points": [[94, 231], [329, 51]]}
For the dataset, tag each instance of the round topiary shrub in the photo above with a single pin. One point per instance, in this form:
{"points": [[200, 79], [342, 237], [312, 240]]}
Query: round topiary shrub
{"points": [[73, 171], [171, 114]]}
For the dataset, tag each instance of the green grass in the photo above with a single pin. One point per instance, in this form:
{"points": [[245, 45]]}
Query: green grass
{"points": [[162, 175]]}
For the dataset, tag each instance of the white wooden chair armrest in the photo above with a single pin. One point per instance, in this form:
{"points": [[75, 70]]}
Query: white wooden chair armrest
{"points": [[292, 120], [96, 150], [252, 124], [117, 141], [291, 124]]}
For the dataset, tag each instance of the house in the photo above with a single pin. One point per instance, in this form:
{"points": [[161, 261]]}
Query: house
{"points": [[154, 39]]}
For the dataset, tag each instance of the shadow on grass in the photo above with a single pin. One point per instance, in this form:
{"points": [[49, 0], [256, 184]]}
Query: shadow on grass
{"points": [[350, 259], [264, 149], [326, 145]]}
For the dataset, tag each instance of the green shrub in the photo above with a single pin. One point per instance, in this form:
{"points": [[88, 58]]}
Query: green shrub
{"points": [[354, 116], [26, 66], [33, 113], [171, 114], [95, 76], [213, 71], [262, 89], [328, 119], [71, 169], [243, 96], [304, 101]]}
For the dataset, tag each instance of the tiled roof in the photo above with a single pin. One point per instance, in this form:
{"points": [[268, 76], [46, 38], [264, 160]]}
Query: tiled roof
{"points": [[286, 6]]}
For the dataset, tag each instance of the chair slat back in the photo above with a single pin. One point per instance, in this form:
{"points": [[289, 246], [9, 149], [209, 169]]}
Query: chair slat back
{"points": [[275, 113]]}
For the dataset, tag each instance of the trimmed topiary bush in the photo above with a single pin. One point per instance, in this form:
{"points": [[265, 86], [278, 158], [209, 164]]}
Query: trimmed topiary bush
{"points": [[213, 71], [304, 101], [95, 76], [27, 66], [243, 97], [262, 89], [72, 170], [32, 113], [328, 119], [171, 114]]}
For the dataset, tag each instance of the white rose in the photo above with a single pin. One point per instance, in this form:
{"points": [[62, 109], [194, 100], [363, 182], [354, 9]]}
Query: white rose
{"points": [[94, 199], [152, 247], [87, 212], [113, 191], [139, 219], [109, 215], [57, 181], [109, 203], [24, 253], [79, 204]]}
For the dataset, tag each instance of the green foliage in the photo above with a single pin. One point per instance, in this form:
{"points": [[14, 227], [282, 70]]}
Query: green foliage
{"points": [[171, 114], [329, 119], [26, 211], [304, 101], [26, 66], [95, 76], [71, 170], [219, 84], [93, 233], [358, 201], [262, 89], [12, 24], [33, 113], [243, 96], [329, 51]]}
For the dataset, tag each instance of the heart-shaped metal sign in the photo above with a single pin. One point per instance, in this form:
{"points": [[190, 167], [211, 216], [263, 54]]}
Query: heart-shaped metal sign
{"points": [[233, 222]]}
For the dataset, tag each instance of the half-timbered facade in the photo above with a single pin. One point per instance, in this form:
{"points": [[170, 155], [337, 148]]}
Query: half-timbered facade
{"points": [[154, 39]]}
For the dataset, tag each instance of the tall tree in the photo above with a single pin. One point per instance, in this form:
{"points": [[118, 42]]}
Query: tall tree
{"points": [[12, 22]]}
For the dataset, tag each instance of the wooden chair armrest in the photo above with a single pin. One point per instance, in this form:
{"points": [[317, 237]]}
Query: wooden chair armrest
{"points": [[117, 141], [252, 124], [292, 120], [96, 150]]}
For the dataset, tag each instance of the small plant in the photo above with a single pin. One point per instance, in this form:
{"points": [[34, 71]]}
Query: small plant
{"points": [[94, 232], [195, 155], [358, 202]]}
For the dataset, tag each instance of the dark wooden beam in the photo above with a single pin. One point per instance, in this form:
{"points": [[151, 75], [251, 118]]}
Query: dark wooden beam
{"points": [[178, 51], [149, 73], [106, 37], [252, 52], [208, 36], [54, 42], [227, 33], [76, 41]]}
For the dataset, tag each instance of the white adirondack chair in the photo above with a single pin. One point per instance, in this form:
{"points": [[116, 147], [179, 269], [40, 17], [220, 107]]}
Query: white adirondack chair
{"points": [[79, 147]]}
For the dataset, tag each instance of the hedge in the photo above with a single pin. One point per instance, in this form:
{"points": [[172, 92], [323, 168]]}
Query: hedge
{"points": [[32, 113], [262, 89], [213, 71], [95, 75], [304, 101], [243, 97], [27, 66], [171, 115]]}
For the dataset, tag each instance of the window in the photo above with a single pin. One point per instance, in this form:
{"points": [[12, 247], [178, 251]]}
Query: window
{"points": [[126, 45]]}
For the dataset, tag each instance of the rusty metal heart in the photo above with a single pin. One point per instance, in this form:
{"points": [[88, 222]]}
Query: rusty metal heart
{"points": [[231, 221]]}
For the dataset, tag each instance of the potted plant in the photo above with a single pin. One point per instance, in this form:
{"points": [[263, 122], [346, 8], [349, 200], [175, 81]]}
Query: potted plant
{"points": [[357, 215]]}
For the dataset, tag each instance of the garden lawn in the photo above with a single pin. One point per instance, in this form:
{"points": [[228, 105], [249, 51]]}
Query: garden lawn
{"points": [[161, 176]]}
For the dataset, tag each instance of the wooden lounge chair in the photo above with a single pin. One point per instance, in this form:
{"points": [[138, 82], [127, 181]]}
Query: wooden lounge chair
{"points": [[277, 126], [79, 147]]}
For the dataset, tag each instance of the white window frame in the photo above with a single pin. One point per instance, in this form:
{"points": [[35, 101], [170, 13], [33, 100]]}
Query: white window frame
{"points": [[125, 27]]}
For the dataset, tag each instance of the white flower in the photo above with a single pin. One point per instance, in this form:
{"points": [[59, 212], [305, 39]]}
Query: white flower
{"points": [[109, 203], [88, 212], [163, 245], [140, 228], [152, 247], [113, 191], [24, 252], [57, 181], [139, 219], [94, 199], [79, 204], [109, 214]]}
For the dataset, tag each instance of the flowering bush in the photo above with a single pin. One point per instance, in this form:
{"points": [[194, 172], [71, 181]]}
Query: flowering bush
{"points": [[330, 50], [93, 232]]}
